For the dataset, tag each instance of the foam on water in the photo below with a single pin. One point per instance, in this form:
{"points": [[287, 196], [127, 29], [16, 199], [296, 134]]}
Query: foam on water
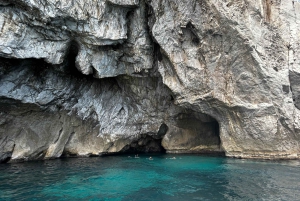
{"points": [[188, 177]]}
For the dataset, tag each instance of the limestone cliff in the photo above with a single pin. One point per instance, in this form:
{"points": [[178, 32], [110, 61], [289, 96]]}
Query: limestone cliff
{"points": [[91, 77]]}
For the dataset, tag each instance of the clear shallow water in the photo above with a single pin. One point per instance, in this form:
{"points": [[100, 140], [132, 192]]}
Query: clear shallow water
{"points": [[189, 177]]}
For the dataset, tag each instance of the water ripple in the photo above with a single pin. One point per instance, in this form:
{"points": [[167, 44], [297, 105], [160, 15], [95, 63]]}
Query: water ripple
{"points": [[188, 177]]}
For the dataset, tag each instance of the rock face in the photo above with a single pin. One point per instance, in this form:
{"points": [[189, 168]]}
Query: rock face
{"points": [[238, 62], [91, 77]]}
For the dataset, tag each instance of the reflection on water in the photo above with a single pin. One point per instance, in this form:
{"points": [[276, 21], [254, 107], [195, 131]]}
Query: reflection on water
{"points": [[188, 177]]}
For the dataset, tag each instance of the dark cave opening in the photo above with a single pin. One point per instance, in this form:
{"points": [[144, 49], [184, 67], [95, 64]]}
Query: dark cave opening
{"points": [[5, 160], [70, 60], [147, 143], [190, 132], [194, 36], [193, 132], [5, 157]]}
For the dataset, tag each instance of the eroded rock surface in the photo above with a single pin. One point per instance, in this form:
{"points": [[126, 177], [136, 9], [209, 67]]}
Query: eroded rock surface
{"points": [[131, 76], [235, 61], [112, 36]]}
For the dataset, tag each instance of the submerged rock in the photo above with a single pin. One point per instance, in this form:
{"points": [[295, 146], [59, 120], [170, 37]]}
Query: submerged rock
{"points": [[85, 78]]}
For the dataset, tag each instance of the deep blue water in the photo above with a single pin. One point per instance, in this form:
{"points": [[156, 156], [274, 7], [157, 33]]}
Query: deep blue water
{"points": [[188, 177]]}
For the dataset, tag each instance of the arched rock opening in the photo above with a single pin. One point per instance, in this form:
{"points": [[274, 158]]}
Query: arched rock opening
{"points": [[192, 132], [147, 143]]}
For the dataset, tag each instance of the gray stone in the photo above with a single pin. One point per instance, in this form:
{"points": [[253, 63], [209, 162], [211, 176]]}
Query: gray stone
{"points": [[230, 59], [48, 113], [130, 76]]}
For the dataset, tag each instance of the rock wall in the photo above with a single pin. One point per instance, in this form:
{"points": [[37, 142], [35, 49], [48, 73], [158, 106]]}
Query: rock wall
{"points": [[236, 61], [82, 78]]}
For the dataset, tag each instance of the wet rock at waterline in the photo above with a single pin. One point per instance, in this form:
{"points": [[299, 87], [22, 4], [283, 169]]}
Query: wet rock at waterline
{"points": [[84, 78]]}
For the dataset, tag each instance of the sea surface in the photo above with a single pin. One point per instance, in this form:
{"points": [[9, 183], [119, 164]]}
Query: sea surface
{"points": [[185, 177]]}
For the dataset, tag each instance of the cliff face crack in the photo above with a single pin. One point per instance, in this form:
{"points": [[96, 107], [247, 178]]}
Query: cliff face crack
{"points": [[268, 9], [59, 135], [71, 66], [195, 38]]}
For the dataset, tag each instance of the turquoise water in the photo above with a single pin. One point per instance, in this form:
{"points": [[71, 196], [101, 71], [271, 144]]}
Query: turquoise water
{"points": [[188, 177]]}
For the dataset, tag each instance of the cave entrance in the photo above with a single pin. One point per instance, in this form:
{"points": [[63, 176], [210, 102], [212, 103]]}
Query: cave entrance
{"points": [[192, 132], [148, 143], [187, 132]]}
